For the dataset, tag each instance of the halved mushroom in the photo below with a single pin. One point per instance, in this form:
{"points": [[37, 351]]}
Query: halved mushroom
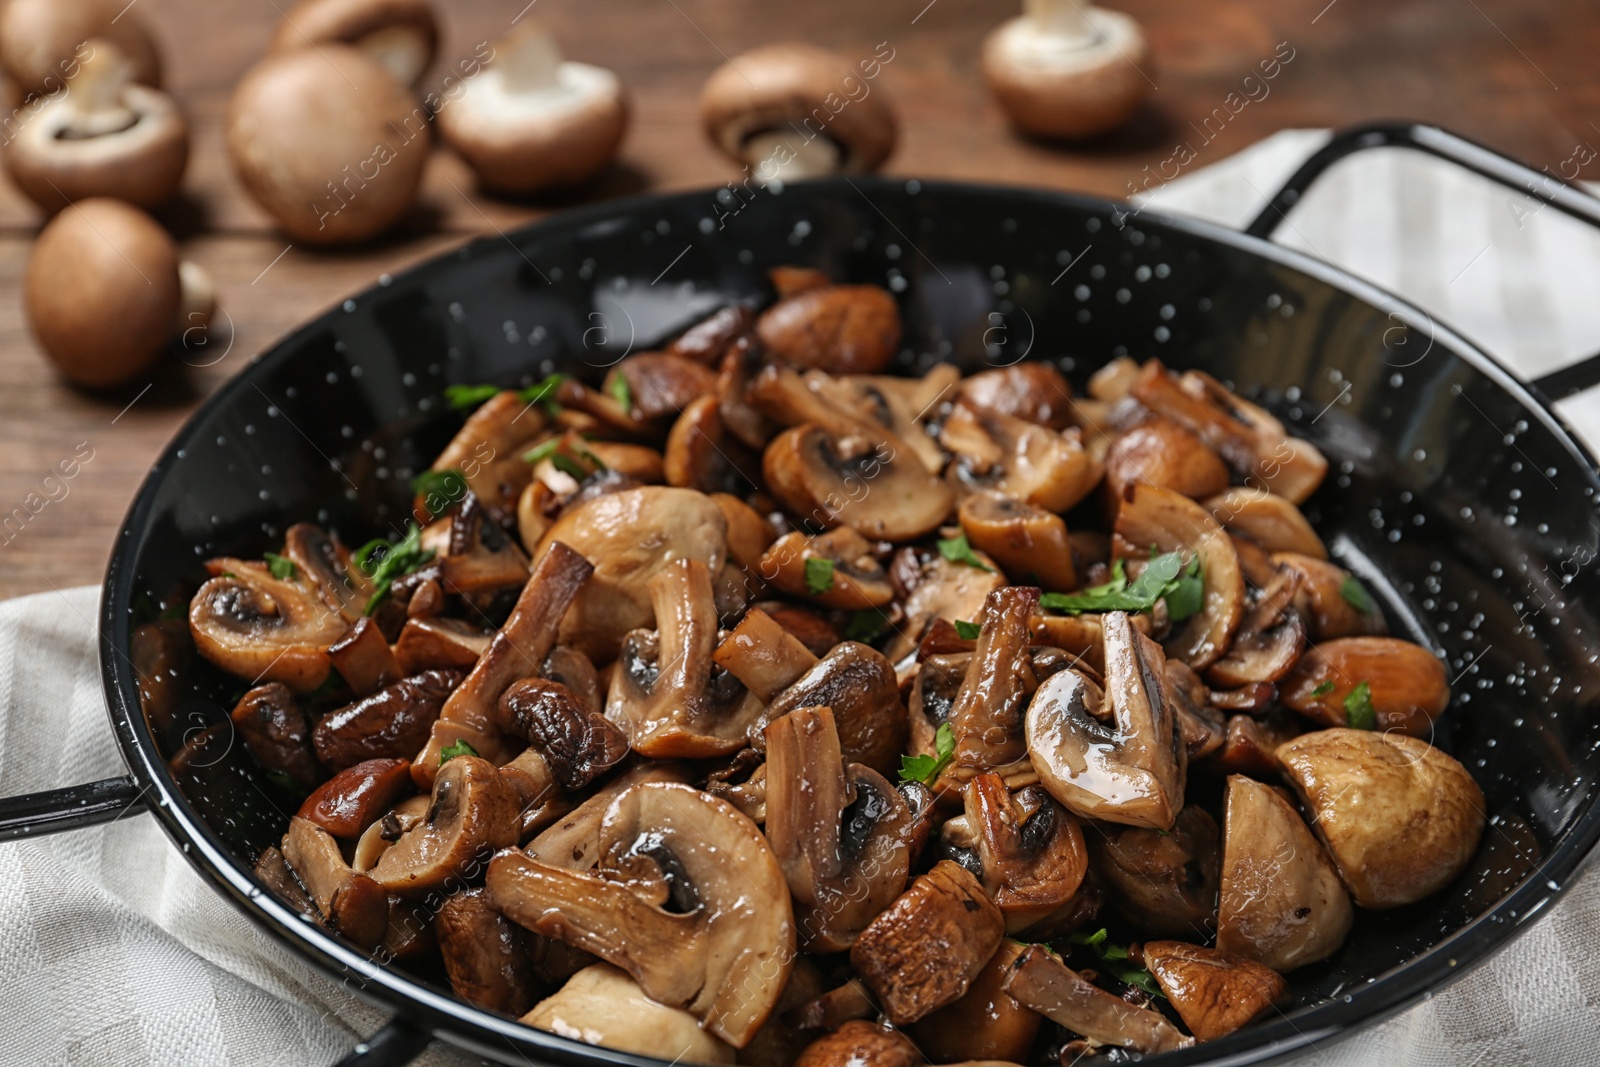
{"points": [[277, 734], [857, 476], [630, 537], [741, 361], [427, 644], [488, 448], [1327, 600], [377, 837], [987, 715], [574, 841], [859, 684], [1163, 882], [763, 655], [1254, 444], [474, 812], [925, 950], [986, 1023], [1162, 453], [481, 559], [833, 1009], [1400, 818], [689, 900], [1036, 392], [518, 650], [601, 1005], [1039, 466], [251, 624], [1214, 992], [664, 693], [394, 721], [274, 872], [352, 800], [837, 829], [932, 587], [353, 904], [578, 743], [1029, 543], [1030, 850], [400, 34], [1160, 520], [540, 798], [700, 454], [1041, 981], [1280, 901], [485, 956], [364, 659], [859, 1043], [836, 569], [1267, 519], [1129, 770], [1269, 640], [100, 135], [1200, 724], [1406, 686]]}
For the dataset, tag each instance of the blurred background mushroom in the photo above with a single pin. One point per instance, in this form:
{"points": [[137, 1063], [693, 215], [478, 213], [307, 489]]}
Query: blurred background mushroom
{"points": [[401, 35], [43, 41]]}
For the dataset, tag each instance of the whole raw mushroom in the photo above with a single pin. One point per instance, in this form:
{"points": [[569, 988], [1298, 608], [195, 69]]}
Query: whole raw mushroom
{"points": [[42, 42], [400, 34]]}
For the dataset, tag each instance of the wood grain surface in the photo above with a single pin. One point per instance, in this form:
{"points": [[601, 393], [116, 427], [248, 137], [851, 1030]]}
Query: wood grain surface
{"points": [[1517, 74]]}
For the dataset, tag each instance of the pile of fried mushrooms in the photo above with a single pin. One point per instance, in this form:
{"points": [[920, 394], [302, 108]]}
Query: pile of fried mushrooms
{"points": [[758, 706]]}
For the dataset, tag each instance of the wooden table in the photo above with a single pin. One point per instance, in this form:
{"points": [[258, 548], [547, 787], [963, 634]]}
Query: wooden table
{"points": [[1517, 74]]}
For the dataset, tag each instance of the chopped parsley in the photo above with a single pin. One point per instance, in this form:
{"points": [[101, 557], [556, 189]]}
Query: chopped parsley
{"points": [[957, 550], [394, 561], [1355, 594], [563, 461], [1323, 690], [1114, 960], [1358, 709], [450, 752], [621, 392], [968, 631], [819, 575], [442, 487], [866, 626], [926, 769], [281, 567], [1163, 578], [467, 397]]}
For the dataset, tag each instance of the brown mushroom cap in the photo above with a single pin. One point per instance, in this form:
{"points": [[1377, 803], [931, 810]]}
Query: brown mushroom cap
{"points": [[353, 904], [1160, 452], [102, 292], [1029, 543], [328, 143], [856, 477], [987, 1023], [402, 35], [1164, 882], [854, 578], [1214, 992], [530, 121], [1031, 850], [1067, 71], [1400, 818], [485, 955], [1033, 463], [102, 136], [601, 1005], [840, 329], [43, 41], [753, 105], [1407, 685], [859, 1043], [1267, 519]]}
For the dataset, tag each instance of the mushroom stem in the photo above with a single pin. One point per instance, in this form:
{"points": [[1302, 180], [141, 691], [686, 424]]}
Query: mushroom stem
{"points": [[531, 61], [781, 156], [1063, 24]]}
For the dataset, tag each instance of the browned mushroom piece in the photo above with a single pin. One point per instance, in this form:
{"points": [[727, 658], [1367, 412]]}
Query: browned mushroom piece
{"points": [[630, 537], [1395, 684], [1214, 992], [277, 734], [925, 950], [251, 624], [1029, 543], [1041, 981], [901, 406], [1162, 882], [44, 43], [481, 559], [859, 1043], [1036, 392], [1280, 901], [574, 841], [1127, 766], [665, 695], [1400, 818], [540, 798], [1324, 600], [1267, 519], [933, 587], [1250, 744], [658, 385], [352, 800], [488, 449], [601, 1005], [688, 899], [439, 644], [859, 684], [1201, 725], [352, 904], [160, 651], [100, 135], [395, 721], [855, 475], [474, 812], [1039, 466], [578, 742], [1269, 640], [986, 717], [830, 1010], [376, 839], [763, 655], [1162, 453], [1155, 519], [700, 454], [399, 34], [1253, 443], [1030, 850], [363, 658], [780, 109], [708, 339], [986, 1023], [485, 955], [1081, 636], [837, 569], [274, 872], [518, 650], [840, 329]]}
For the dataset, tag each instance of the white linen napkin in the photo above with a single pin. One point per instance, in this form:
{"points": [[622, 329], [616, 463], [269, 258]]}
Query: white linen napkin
{"points": [[116, 954]]}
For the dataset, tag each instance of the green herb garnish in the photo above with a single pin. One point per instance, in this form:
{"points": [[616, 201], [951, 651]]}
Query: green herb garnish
{"points": [[819, 575], [562, 461], [281, 567], [396, 560], [1355, 594], [621, 392], [926, 769], [1323, 690], [450, 752], [968, 631], [1163, 578], [567, 465], [957, 550], [541, 392], [1113, 959], [446, 487], [467, 397], [1358, 709], [865, 626]]}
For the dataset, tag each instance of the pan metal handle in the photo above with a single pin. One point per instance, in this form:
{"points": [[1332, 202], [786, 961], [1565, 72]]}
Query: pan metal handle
{"points": [[1486, 162], [397, 1044], [76, 806]]}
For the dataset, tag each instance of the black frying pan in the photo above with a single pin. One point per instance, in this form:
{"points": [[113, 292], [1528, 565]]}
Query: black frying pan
{"points": [[1455, 494]]}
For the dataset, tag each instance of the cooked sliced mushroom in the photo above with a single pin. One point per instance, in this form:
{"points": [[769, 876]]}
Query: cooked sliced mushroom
{"points": [[859, 684], [1406, 687], [701, 455], [987, 1023], [377, 838], [601, 1005], [1200, 724], [860, 476], [574, 842], [933, 587], [346, 804], [1254, 444], [836, 569], [1040, 981], [274, 872], [1035, 392], [836, 1007], [481, 558], [689, 901], [474, 812], [1037, 465], [925, 950], [395, 721], [708, 339], [364, 659], [251, 624], [838, 831], [901, 406], [859, 1043], [763, 656], [540, 797], [518, 650], [159, 652], [1162, 882], [1400, 818], [1280, 901], [1267, 519], [1269, 639], [579, 743], [488, 450], [1214, 992], [1157, 519], [1031, 851], [1029, 543], [400, 34], [1129, 770], [660, 385], [275, 731], [485, 956], [1250, 745], [352, 904], [1160, 452], [987, 715], [665, 695], [1324, 600], [439, 644], [575, 671]]}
